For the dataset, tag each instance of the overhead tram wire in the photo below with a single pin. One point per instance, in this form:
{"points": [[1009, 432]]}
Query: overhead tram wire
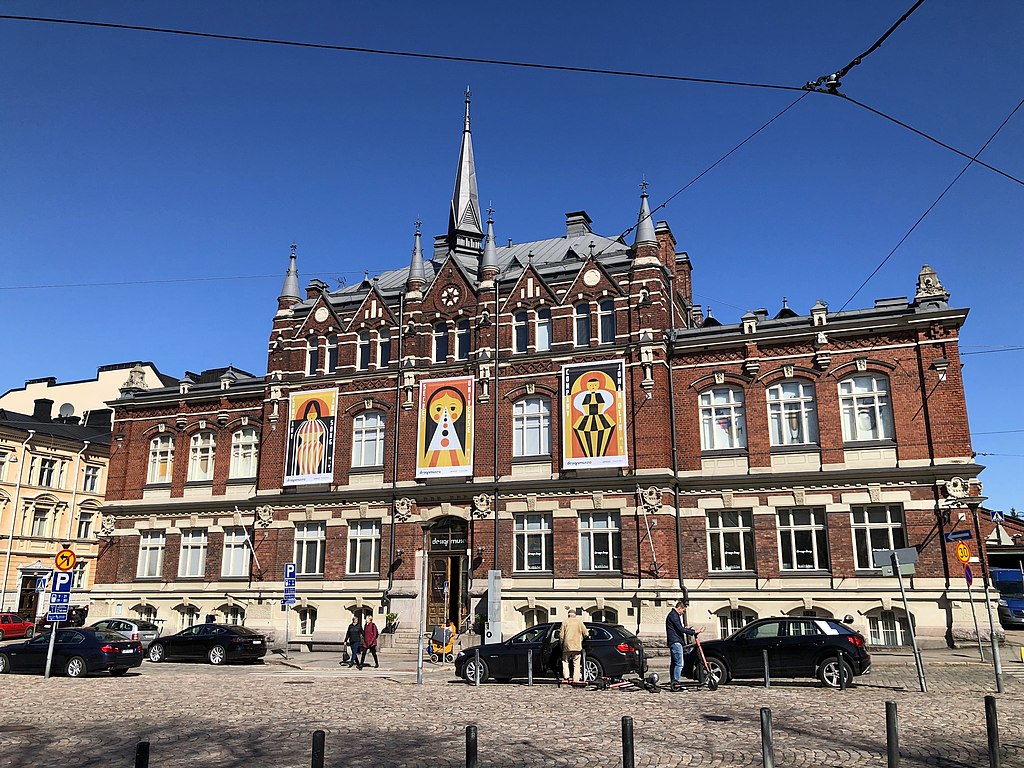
{"points": [[932, 206]]}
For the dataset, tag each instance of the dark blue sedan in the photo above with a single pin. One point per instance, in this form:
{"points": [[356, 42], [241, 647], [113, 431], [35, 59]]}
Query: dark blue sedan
{"points": [[76, 653]]}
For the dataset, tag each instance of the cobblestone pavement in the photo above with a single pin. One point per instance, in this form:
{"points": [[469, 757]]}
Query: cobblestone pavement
{"points": [[263, 717]]}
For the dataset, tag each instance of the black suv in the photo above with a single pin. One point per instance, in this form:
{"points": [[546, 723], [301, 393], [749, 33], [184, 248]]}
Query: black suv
{"points": [[797, 647], [610, 649]]}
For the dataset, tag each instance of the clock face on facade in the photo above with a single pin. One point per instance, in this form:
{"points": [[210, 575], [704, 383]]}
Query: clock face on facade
{"points": [[450, 296]]}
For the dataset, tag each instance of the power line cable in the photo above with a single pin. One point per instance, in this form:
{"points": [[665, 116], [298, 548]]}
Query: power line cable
{"points": [[991, 351], [878, 43]]}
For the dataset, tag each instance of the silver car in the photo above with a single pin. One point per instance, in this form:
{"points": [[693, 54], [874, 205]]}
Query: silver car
{"points": [[133, 629]]}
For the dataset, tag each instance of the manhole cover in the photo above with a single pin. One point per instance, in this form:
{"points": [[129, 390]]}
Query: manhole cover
{"points": [[718, 718], [18, 728]]}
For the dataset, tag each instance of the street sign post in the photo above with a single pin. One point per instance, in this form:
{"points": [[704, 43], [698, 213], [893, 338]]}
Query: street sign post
{"points": [[896, 566], [963, 553], [65, 560], [954, 536], [288, 602], [42, 582], [969, 578], [907, 558], [60, 599], [997, 516]]}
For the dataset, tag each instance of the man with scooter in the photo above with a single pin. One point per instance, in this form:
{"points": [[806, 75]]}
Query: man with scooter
{"points": [[680, 637]]}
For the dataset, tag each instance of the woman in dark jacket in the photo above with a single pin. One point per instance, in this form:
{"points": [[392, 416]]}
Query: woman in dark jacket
{"points": [[354, 639]]}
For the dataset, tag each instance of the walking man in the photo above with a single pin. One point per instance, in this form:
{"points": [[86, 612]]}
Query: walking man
{"points": [[370, 635], [354, 639], [571, 636], [679, 636]]}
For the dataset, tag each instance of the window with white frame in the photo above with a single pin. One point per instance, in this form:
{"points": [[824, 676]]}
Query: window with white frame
{"points": [[146, 613], [542, 331], [161, 459], [245, 447], [889, 628], [462, 340], [534, 616], [878, 526], [78, 575], [521, 331], [600, 541], [235, 561], [383, 348], [91, 479], [733, 620], [803, 542], [363, 351], [605, 616], [865, 408], [792, 417], [364, 547], [441, 343], [188, 616], [531, 427], [234, 614], [368, 439], [50, 473], [332, 353], [722, 420], [581, 324], [533, 542], [151, 554], [606, 321], [307, 620], [201, 457], [4, 458], [85, 520], [310, 545], [192, 562], [312, 356], [731, 540], [40, 522]]}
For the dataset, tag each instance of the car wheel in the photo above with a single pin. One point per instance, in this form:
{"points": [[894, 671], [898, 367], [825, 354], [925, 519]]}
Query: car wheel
{"points": [[470, 673], [119, 672], [5, 664], [592, 670], [829, 671], [719, 671], [76, 667], [157, 653], [1, 635], [217, 655], [29, 632]]}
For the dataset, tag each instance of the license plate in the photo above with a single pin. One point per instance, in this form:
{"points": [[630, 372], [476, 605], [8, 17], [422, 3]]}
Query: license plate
{"points": [[257, 642], [128, 650]]}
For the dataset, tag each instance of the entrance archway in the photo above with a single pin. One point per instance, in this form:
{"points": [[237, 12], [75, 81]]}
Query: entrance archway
{"points": [[447, 571]]}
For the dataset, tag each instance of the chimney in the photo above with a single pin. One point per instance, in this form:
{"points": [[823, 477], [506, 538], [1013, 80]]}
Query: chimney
{"points": [[577, 223], [43, 409]]}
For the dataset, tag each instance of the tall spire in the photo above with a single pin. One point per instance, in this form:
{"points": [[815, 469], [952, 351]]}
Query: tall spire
{"points": [[417, 271], [644, 225], [489, 261], [290, 290], [464, 217]]}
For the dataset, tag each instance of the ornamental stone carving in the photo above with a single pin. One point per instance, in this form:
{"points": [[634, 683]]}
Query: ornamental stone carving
{"points": [[264, 516], [650, 499], [403, 509], [107, 526], [482, 505], [956, 488]]}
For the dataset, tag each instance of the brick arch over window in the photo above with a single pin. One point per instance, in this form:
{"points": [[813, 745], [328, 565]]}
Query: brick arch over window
{"points": [[775, 375], [375, 405], [720, 379], [796, 609], [870, 365], [540, 390]]}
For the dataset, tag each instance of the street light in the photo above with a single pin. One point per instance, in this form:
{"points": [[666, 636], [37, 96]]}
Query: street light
{"points": [[973, 503]]}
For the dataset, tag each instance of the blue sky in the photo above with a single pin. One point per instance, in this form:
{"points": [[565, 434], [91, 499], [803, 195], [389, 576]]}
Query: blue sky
{"points": [[132, 157]]}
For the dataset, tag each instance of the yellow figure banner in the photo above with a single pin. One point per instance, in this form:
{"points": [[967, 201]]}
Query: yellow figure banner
{"points": [[594, 415], [311, 421], [444, 440]]}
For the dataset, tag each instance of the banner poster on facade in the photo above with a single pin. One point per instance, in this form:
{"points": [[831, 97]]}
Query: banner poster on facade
{"points": [[594, 415], [311, 422], [444, 440]]}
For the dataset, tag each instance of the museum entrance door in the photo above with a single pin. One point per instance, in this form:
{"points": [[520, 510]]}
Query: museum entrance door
{"points": [[447, 572]]}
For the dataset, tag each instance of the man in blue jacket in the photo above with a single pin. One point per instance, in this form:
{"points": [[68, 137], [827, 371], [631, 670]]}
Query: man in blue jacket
{"points": [[679, 636]]}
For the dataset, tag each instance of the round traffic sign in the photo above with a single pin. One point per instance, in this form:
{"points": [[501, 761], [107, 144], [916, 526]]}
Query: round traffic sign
{"points": [[968, 575], [963, 552], [65, 560]]}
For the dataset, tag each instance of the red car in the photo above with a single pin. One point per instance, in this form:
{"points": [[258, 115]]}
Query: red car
{"points": [[13, 626]]}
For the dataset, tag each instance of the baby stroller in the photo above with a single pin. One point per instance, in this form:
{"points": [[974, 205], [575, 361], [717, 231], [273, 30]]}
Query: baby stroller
{"points": [[442, 644]]}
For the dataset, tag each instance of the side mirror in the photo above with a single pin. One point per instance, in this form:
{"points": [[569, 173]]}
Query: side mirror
{"points": [[847, 619]]}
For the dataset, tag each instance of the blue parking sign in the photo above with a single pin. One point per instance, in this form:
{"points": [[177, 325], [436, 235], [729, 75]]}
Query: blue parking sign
{"points": [[61, 582], [289, 571]]}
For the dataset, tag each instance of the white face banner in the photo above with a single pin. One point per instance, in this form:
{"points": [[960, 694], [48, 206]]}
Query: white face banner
{"points": [[312, 417], [444, 440]]}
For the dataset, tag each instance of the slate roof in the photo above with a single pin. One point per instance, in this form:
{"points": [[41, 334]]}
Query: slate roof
{"points": [[75, 432]]}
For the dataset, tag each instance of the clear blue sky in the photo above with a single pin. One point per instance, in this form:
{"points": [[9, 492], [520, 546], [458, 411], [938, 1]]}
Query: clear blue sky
{"points": [[132, 156]]}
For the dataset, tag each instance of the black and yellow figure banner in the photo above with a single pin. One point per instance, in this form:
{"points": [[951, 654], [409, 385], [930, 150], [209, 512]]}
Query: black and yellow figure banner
{"points": [[594, 415], [444, 440], [312, 417]]}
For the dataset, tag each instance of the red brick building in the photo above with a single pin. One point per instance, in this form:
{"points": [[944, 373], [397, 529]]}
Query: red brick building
{"points": [[561, 412]]}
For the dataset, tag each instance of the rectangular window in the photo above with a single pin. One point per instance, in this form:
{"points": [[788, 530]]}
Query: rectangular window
{"points": [[363, 351], [462, 340], [151, 555], [3, 464], [201, 457], [531, 427], [161, 459], [313, 357], [78, 576], [606, 321], [581, 314], [48, 473], [383, 348], [723, 424], [879, 526], [85, 525], [310, 546], [364, 547], [192, 563], [91, 481], [543, 330], [803, 543], [236, 553], [521, 331], [732, 621], [441, 343], [368, 439], [731, 540], [865, 408], [244, 453], [40, 523], [332, 354], [600, 541], [533, 542]]}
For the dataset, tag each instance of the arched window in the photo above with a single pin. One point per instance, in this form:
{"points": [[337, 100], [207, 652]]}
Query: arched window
{"points": [[368, 439], [188, 616], [606, 321], [200, 456], [383, 349], [307, 620], [605, 616], [363, 351], [542, 333], [792, 418], [312, 356], [531, 427], [581, 316], [233, 614], [722, 420], [889, 627], [462, 340], [145, 612], [865, 408], [161, 459], [441, 343], [733, 620], [521, 331], [245, 447], [535, 616], [332, 354]]}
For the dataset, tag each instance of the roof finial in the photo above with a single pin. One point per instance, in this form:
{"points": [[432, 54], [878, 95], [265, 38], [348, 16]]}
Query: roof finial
{"points": [[643, 185], [290, 289], [785, 304], [418, 225], [294, 247], [468, 94], [644, 225], [489, 258], [417, 270]]}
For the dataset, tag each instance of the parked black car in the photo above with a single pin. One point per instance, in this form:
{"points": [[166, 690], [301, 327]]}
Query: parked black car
{"points": [[217, 643], [611, 650], [797, 647], [76, 653]]}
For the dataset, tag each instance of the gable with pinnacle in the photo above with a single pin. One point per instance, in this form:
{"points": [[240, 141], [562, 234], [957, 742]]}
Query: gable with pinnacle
{"points": [[530, 291], [373, 312], [321, 317], [591, 282], [451, 274]]}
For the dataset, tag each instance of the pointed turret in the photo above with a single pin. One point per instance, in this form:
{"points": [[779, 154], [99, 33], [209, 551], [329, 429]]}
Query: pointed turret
{"points": [[417, 271], [644, 226], [464, 231], [290, 290], [489, 260]]}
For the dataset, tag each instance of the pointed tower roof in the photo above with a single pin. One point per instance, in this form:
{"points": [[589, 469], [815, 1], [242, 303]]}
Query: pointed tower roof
{"points": [[417, 270], [644, 226], [290, 289], [490, 257], [464, 218]]}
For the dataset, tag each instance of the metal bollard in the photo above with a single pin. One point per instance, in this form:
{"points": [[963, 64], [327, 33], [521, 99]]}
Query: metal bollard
{"points": [[476, 668], [319, 738], [142, 754], [892, 735], [992, 726], [767, 741], [529, 666], [471, 747], [767, 677], [583, 666], [841, 671], [627, 742]]}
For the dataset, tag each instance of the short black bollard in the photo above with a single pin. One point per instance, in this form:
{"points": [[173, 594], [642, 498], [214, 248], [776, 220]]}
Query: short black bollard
{"points": [[767, 740], [319, 737], [627, 742], [142, 754], [767, 676], [471, 750], [892, 735], [476, 668], [992, 726], [529, 666], [841, 671]]}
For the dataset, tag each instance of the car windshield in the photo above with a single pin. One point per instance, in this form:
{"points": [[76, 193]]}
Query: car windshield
{"points": [[1011, 591], [532, 635], [107, 636], [145, 626], [245, 631]]}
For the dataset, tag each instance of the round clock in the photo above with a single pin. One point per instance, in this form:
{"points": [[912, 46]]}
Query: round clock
{"points": [[450, 296]]}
